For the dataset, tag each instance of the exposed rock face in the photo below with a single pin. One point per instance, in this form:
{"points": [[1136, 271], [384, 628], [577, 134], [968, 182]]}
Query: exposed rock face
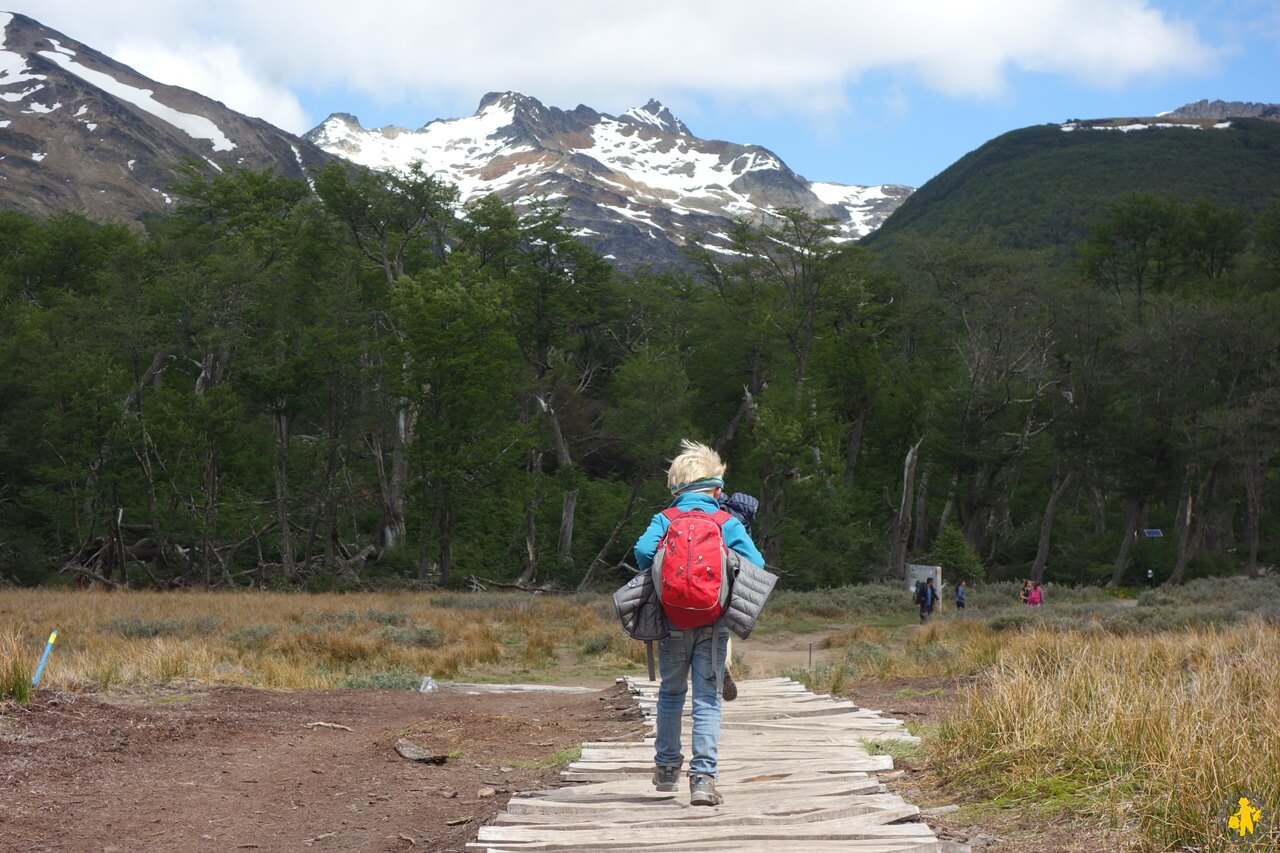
{"points": [[80, 131], [1218, 110], [637, 187]]}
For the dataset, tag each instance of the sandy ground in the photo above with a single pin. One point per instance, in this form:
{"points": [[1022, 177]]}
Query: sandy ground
{"points": [[238, 769]]}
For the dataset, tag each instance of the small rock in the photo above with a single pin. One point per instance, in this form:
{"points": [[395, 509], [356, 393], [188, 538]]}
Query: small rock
{"points": [[937, 810], [449, 795], [982, 841], [506, 769], [486, 792], [891, 776], [410, 750]]}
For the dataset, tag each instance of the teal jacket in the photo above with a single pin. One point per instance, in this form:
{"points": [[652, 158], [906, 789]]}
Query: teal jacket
{"points": [[735, 535]]}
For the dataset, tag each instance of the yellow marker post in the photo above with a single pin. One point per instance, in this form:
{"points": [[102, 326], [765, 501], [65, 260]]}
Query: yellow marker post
{"points": [[35, 679]]}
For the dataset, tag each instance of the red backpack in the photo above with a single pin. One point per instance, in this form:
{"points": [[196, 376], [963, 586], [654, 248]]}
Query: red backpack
{"points": [[689, 568]]}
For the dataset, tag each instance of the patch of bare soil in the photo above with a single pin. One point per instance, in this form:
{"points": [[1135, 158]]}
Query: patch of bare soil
{"points": [[239, 769], [980, 824]]}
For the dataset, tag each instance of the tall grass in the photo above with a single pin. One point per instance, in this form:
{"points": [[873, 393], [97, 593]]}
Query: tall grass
{"points": [[113, 639], [15, 669], [1162, 734]]}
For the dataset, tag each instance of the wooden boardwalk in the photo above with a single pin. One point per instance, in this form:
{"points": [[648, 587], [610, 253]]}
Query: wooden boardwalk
{"points": [[793, 772]]}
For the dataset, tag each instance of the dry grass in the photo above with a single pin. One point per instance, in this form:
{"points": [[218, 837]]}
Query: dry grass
{"points": [[111, 639], [1161, 734], [16, 669]]}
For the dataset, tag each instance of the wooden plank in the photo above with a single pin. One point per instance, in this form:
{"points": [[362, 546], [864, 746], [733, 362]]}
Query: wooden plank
{"points": [[793, 769], [628, 835]]}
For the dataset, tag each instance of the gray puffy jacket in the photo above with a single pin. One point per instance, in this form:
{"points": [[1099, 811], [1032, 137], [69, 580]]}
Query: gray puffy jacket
{"points": [[640, 611]]}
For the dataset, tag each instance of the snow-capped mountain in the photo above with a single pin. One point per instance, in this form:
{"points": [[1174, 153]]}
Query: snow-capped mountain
{"points": [[80, 131], [637, 186]]}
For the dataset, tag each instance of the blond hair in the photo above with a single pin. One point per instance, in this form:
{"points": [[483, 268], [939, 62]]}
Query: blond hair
{"points": [[696, 463]]}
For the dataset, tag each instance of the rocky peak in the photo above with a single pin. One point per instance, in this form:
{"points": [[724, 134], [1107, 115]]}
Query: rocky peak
{"points": [[655, 115], [1218, 110]]}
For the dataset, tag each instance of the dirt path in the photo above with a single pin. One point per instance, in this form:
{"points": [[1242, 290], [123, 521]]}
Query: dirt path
{"points": [[239, 769]]}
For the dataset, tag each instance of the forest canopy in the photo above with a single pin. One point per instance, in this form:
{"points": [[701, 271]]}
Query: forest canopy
{"points": [[370, 384]]}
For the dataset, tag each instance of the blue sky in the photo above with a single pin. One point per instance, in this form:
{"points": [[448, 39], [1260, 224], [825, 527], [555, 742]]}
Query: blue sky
{"points": [[851, 91]]}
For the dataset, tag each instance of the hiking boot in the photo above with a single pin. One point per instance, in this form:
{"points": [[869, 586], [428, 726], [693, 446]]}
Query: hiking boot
{"points": [[702, 790], [666, 778], [730, 691]]}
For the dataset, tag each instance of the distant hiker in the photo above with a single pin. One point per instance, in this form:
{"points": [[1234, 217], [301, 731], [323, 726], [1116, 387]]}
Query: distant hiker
{"points": [[1024, 595], [960, 596], [685, 570], [928, 597], [1036, 596]]}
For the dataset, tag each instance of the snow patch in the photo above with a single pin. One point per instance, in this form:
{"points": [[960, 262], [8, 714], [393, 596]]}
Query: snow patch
{"points": [[38, 156], [1127, 128], [195, 126]]}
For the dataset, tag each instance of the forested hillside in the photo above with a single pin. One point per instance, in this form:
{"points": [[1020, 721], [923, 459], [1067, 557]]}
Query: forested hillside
{"points": [[1039, 187], [285, 388]]}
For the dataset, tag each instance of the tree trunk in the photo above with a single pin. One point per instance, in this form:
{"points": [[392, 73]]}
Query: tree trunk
{"points": [[1183, 529], [567, 514], [746, 407], [446, 547], [901, 525], [393, 524], [1133, 510], [613, 537], [1046, 525], [1099, 510], [950, 506], [282, 494], [921, 540], [1189, 527], [425, 547], [564, 547], [772, 502], [1253, 474], [853, 448], [530, 573]]}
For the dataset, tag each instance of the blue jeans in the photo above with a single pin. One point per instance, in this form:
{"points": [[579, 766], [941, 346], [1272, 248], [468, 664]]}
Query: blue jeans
{"points": [[682, 654]]}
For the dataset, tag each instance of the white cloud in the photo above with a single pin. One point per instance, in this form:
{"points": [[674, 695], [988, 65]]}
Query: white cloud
{"points": [[220, 72], [798, 57]]}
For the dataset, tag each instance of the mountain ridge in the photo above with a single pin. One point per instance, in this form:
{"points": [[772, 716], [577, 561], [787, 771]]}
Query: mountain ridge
{"points": [[1039, 187], [638, 186], [82, 131]]}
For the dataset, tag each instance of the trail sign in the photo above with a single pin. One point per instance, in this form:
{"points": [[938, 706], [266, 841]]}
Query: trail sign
{"points": [[1153, 533]]}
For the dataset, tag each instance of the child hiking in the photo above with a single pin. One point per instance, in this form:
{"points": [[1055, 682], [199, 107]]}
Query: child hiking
{"points": [[696, 646]]}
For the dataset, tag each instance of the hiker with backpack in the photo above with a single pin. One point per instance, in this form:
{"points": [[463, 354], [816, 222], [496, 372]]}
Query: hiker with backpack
{"points": [[926, 597], [690, 549]]}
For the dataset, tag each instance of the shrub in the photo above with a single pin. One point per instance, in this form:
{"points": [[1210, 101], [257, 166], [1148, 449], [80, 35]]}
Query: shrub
{"points": [[386, 617], [394, 680], [422, 636], [956, 556], [147, 628], [15, 670], [1012, 621], [253, 636]]}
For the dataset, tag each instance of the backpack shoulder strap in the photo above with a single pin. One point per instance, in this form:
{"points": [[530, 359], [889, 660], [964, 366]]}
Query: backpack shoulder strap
{"points": [[672, 513], [720, 517]]}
